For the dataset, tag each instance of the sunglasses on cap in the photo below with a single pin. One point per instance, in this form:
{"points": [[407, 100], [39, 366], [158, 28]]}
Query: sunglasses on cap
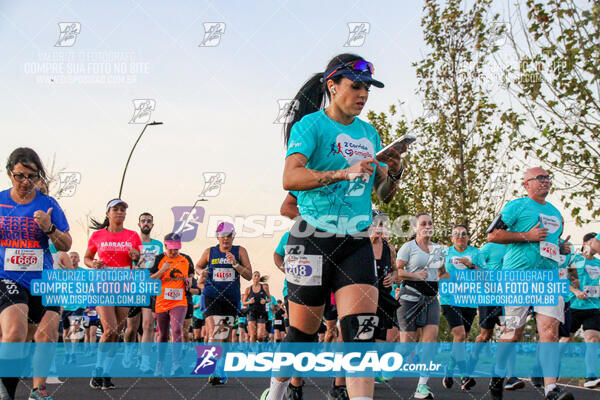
{"points": [[356, 65]]}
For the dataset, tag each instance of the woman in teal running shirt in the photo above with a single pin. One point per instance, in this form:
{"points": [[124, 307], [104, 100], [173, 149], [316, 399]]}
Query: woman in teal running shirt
{"points": [[331, 163]]}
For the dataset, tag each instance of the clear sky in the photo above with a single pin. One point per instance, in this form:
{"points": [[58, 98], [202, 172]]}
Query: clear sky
{"points": [[218, 103]]}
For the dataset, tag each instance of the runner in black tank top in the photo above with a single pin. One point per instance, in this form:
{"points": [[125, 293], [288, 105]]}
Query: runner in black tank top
{"points": [[220, 269], [257, 312]]}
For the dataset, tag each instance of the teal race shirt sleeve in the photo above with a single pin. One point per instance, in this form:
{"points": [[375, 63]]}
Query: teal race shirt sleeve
{"points": [[485, 254], [302, 139], [511, 211]]}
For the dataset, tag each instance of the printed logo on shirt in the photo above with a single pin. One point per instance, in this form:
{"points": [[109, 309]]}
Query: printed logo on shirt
{"points": [[116, 246], [19, 232], [352, 150], [175, 275], [550, 222], [221, 260], [592, 271]]}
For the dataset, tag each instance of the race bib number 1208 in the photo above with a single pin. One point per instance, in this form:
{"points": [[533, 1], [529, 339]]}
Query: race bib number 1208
{"points": [[304, 270]]}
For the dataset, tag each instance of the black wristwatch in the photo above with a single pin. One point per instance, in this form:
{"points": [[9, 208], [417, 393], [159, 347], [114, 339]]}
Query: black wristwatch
{"points": [[396, 177], [52, 230]]}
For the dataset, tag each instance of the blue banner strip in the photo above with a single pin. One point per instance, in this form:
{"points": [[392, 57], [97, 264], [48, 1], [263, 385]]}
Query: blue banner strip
{"points": [[297, 359]]}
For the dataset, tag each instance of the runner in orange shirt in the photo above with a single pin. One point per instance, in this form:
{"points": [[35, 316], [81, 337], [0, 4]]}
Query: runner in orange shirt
{"points": [[175, 270]]}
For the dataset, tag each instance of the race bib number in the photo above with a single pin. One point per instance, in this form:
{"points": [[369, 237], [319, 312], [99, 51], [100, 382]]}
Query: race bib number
{"points": [[223, 275], [562, 273], [173, 294], [549, 250], [25, 260], [278, 322], [592, 291], [304, 270]]}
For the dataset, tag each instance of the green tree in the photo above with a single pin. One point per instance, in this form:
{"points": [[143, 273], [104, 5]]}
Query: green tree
{"points": [[557, 85], [452, 166]]}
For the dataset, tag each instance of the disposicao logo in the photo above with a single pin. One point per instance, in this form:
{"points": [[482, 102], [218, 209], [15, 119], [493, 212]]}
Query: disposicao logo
{"points": [[207, 359]]}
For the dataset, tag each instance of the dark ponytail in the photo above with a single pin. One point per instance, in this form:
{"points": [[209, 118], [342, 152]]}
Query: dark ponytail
{"points": [[96, 225], [313, 95]]}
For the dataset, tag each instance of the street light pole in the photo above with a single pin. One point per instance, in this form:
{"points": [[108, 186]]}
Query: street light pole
{"points": [[131, 153]]}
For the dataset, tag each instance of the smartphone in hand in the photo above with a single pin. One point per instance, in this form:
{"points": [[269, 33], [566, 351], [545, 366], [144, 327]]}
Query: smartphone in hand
{"points": [[396, 146]]}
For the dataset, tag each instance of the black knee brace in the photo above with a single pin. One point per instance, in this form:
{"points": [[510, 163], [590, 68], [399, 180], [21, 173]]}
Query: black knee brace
{"points": [[359, 327], [296, 335]]}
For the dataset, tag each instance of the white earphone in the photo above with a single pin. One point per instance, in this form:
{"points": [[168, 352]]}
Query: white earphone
{"points": [[333, 90]]}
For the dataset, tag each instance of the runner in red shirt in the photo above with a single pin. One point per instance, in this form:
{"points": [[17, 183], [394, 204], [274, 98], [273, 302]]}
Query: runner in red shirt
{"points": [[116, 247]]}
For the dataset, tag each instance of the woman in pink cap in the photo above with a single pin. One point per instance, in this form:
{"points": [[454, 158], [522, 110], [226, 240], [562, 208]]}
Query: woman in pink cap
{"points": [[220, 269], [175, 270], [116, 247]]}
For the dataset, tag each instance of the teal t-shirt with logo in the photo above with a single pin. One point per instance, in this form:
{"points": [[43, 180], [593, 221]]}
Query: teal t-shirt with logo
{"points": [[493, 254], [343, 207], [589, 282], [151, 250], [520, 215], [452, 264]]}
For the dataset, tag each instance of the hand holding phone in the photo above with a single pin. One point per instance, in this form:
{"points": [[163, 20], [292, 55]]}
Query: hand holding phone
{"points": [[395, 149]]}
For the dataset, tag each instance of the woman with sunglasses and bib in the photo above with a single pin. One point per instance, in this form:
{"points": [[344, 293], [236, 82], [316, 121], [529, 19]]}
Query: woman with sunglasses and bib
{"points": [[29, 220], [220, 268], [330, 162]]}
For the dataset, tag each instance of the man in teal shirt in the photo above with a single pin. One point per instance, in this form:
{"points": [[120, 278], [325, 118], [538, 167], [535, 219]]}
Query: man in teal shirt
{"points": [[460, 316], [152, 248], [585, 306], [531, 227]]}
